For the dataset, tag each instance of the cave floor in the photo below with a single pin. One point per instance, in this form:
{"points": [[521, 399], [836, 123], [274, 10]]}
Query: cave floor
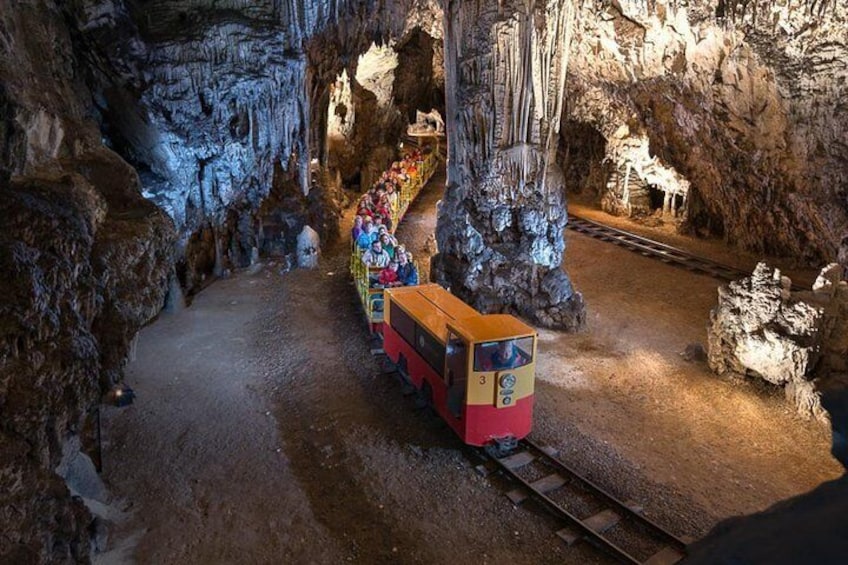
{"points": [[264, 431]]}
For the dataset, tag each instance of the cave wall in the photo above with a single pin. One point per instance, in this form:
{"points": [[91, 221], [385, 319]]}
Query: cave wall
{"points": [[207, 99], [86, 261], [746, 108]]}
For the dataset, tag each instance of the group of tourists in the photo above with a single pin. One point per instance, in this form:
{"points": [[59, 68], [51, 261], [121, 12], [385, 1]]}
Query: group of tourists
{"points": [[372, 227], [382, 201]]}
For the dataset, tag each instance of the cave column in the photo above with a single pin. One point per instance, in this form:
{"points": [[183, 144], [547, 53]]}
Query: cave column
{"points": [[500, 226]]}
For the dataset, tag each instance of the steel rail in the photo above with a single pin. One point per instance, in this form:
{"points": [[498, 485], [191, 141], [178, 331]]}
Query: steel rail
{"points": [[657, 534], [638, 516], [659, 250]]}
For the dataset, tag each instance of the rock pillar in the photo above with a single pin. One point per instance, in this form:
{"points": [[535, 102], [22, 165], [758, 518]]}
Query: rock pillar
{"points": [[500, 226]]}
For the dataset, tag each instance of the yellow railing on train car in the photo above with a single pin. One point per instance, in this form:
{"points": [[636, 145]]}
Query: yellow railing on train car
{"points": [[409, 190]]}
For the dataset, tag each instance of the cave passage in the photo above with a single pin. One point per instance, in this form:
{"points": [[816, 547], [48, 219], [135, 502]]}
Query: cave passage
{"points": [[179, 182]]}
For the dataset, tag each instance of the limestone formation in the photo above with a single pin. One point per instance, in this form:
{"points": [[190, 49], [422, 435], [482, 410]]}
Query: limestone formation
{"points": [[501, 221], [736, 104], [796, 340], [308, 248]]}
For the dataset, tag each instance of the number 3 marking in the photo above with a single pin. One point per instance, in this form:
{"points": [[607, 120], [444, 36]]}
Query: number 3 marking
{"points": [[482, 379]]}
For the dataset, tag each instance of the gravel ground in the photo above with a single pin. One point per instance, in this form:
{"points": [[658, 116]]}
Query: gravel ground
{"points": [[265, 432]]}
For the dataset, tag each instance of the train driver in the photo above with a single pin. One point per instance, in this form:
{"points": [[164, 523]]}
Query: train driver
{"points": [[505, 356]]}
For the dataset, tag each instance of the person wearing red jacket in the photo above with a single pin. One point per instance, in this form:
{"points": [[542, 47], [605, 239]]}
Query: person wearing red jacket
{"points": [[388, 276]]}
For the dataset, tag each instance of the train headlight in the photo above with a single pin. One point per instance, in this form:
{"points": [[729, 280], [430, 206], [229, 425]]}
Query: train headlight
{"points": [[508, 381]]}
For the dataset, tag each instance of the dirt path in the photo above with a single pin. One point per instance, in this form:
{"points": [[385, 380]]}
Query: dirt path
{"points": [[264, 431], [198, 457]]}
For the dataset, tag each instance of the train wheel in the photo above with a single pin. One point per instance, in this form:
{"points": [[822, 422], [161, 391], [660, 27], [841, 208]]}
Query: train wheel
{"points": [[403, 376], [402, 368], [424, 399]]}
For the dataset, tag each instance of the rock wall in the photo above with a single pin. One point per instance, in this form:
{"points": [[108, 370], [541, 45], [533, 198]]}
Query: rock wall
{"points": [[797, 340], [208, 99], [741, 104], [500, 224], [86, 261]]}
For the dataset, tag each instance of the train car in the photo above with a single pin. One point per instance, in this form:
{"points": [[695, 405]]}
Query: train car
{"points": [[476, 370], [419, 174]]}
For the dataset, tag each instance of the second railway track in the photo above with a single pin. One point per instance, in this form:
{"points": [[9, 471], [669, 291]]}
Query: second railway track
{"points": [[658, 250]]}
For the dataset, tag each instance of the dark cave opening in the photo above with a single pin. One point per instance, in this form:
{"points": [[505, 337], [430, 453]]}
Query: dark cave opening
{"points": [[362, 130], [419, 77], [656, 198], [581, 157]]}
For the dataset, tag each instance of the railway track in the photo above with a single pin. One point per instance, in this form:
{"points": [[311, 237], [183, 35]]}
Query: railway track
{"points": [[586, 510], [665, 253]]}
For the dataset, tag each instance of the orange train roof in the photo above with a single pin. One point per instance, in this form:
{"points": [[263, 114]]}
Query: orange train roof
{"points": [[419, 301], [492, 327]]}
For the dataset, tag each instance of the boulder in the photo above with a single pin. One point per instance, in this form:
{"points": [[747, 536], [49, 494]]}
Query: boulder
{"points": [[792, 339]]}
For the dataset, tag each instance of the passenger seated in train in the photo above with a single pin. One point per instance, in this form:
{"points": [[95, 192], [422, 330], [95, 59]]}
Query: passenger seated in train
{"points": [[407, 273], [389, 276], [378, 223], [376, 256], [357, 228], [369, 233], [389, 243], [365, 207], [392, 198]]}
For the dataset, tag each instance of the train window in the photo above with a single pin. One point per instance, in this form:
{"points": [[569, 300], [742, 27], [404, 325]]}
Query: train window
{"points": [[506, 354], [430, 350], [402, 323]]}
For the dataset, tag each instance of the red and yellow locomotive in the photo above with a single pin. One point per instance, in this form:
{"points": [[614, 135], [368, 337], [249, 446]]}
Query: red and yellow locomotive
{"points": [[476, 370]]}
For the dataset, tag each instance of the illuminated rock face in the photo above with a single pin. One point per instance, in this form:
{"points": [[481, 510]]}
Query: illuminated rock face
{"points": [[216, 100], [740, 115], [500, 224], [793, 339]]}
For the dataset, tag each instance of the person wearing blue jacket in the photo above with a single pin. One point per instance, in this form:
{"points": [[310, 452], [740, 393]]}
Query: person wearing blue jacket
{"points": [[367, 237], [407, 273]]}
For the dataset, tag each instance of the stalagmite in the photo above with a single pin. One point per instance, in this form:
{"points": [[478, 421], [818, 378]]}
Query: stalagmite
{"points": [[500, 227]]}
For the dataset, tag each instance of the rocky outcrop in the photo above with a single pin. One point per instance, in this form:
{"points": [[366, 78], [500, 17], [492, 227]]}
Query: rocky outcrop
{"points": [[85, 260], [740, 104], [500, 224], [797, 340]]}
